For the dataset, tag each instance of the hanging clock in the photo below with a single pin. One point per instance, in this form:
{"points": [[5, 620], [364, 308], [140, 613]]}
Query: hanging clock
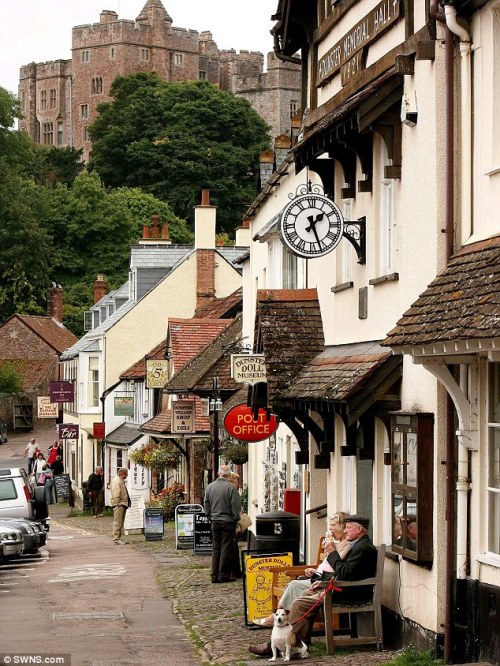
{"points": [[311, 225]]}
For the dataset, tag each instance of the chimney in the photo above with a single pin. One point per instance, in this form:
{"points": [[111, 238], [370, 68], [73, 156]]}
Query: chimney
{"points": [[156, 233], [55, 302], [100, 288], [243, 234], [204, 244]]}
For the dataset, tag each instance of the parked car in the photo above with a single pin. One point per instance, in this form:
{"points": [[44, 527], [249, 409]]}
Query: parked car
{"points": [[19, 498], [34, 534], [3, 432], [11, 543]]}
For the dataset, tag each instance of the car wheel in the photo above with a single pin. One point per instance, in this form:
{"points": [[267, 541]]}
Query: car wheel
{"points": [[40, 506]]}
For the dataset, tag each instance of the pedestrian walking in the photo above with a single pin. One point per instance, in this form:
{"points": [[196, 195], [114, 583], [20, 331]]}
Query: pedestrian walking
{"points": [[95, 489], [120, 501], [29, 453], [222, 506]]}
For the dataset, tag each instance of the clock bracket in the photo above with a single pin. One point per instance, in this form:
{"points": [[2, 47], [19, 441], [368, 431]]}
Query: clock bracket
{"points": [[355, 233]]}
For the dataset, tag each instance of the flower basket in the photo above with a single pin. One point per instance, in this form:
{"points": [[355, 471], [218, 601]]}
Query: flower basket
{"points": [[157, 457], [236, 452]]}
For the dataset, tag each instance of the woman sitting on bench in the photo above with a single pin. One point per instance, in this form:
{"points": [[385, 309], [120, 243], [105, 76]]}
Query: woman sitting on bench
{"points": [[295, 588]]}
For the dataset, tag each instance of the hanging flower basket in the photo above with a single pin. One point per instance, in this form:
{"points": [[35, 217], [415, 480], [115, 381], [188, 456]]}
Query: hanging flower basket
{"points": [[236, 452], [157, 457]]}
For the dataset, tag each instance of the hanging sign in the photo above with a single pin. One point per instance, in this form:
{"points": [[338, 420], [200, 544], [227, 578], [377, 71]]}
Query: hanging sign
{"points": [[45, 409], [183, 416], [240, 424], [99, 430], [124, 406], [68, 430], [248, 368], [61, 392], [156, 373]]}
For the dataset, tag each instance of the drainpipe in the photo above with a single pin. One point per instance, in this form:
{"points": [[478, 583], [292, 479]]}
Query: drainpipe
{"points": [[462, 494]]}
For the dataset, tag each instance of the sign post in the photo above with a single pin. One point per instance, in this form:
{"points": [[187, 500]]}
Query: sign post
{"points": [[153, 524], [202, 535], [184, 525]]}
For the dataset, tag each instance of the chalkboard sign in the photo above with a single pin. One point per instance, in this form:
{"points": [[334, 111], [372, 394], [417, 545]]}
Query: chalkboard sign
{"points": [[202, 535], [62, 484], [153, 524]]}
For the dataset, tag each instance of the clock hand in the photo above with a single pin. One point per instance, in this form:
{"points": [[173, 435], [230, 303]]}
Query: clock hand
{"points": [[312, 221]]}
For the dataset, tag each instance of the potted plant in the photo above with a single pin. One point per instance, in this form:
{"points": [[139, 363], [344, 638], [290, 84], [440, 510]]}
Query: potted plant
{"points": [[236, 452]]}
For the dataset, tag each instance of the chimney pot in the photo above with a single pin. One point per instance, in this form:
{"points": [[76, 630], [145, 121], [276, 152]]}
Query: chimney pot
{"points": [[205, 197], [145, 231]]}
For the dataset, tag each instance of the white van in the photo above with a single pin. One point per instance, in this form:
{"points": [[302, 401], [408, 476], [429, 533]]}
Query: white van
{"points": [[20, 499]]}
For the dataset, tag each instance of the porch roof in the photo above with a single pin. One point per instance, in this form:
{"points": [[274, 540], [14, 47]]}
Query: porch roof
{"points": [[126, 433]]}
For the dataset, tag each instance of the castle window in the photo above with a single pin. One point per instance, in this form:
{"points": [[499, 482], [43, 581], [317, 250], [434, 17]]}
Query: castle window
{"points": [[23, 100], [294, 106], [53, 98], [96, 86], [48, 133], [60, 133], [112, 53], [84, 110], [86, 134], [85, 57], [178, 59], [203, 76], [43, 100], [144, 54]]}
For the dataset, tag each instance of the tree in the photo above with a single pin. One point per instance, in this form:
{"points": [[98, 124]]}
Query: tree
{"points": [[174, 139], [54, 164], [10, 381]]}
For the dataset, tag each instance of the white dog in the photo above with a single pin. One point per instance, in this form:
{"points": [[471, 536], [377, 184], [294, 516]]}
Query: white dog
{"points": [[283, 639]]}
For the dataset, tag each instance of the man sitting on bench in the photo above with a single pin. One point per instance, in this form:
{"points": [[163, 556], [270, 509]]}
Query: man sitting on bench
{"points": [[359, 563]]}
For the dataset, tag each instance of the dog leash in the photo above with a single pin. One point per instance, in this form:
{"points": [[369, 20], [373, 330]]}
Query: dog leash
{"points": [[318, 601]]}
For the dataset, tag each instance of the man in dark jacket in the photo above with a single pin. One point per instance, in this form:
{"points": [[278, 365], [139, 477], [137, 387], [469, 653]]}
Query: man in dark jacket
{"points": [[360, 562], [95, 489], [222, 506]]}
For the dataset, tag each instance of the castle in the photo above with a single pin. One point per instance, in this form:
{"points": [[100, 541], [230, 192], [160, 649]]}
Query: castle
{"points": [[59, 98]]}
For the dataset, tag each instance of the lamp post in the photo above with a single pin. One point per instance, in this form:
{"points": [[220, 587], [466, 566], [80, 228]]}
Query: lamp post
{"points": [[215, 405]]}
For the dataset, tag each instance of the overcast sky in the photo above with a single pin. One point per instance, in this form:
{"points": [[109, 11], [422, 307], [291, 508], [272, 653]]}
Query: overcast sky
{"points": [[40, 30]]}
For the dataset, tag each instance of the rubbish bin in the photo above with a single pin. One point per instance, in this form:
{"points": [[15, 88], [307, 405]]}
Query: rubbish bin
{"points": [[278, 532]]}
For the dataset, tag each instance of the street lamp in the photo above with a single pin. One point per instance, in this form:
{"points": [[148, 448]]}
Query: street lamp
{"points": [[215, 405]]}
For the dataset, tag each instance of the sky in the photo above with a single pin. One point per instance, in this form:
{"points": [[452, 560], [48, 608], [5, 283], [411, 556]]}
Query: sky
{"points": [[40, 30]]}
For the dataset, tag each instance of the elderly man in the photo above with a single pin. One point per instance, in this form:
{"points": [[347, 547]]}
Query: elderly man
{"points": [[359, 563], [222, 506], [120, 501], [95, 488]]}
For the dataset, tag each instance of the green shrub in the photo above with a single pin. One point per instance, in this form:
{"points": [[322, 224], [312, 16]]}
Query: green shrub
{"points": [[410, 656]]}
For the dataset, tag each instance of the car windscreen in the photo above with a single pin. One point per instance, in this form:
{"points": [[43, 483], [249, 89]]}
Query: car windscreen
{"points": [[7, 489]]}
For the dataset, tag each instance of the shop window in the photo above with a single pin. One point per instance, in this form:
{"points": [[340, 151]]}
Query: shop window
{"points": [[52, 98], [43, 100], [412, 457], [494, 460]]}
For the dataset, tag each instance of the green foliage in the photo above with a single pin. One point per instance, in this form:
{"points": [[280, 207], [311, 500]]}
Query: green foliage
{"points": [[10, 380], [235, 452], [410, 656], [244, 498], [174, 139], [53, 164], [157, 457]]}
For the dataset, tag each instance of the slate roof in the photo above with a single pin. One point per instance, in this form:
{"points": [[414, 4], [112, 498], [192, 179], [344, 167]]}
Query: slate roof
{"points": [[289, 333], [462, 303], [126, 433], [33, 372], [214, 361], [338, 372], [52, 331], [157, 256]]}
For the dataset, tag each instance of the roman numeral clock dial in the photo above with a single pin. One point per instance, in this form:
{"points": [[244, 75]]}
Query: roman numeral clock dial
{"points": [[311, 225]]}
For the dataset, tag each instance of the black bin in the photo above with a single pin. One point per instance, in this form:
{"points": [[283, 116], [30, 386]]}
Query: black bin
{"points": [[278, 532]]}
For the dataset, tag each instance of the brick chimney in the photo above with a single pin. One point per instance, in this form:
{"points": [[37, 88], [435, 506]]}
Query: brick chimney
{"points": [[204, 244], [156, 232], [100, 288], [55, 302]]}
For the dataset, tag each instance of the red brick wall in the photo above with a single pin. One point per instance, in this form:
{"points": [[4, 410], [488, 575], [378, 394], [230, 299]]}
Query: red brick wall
{"points": [[205, 278], [18, 341]]}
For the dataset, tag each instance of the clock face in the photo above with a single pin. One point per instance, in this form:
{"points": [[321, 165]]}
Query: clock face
{"points": [[311, 225]]}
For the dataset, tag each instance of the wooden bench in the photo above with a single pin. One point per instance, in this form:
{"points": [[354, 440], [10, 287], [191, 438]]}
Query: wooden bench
{"points": [[334, 604]]}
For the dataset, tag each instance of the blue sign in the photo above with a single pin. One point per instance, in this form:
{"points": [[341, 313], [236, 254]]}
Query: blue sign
{"points": [[153, 524]]}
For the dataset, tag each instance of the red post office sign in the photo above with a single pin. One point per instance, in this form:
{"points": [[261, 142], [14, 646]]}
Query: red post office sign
{"points": [[240, 424]]}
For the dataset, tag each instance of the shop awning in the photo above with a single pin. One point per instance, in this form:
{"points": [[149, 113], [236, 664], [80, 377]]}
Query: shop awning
{"points": [[126, 434]]}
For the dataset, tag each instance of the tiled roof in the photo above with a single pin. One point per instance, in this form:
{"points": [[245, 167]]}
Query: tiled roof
{"points": [[213, 361], [338, 372], [289, 333], [462, 303], [126, 433], [32, 372], [219, 308], [161, 424], [189, 336], [138, 370], [53, 332]]}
